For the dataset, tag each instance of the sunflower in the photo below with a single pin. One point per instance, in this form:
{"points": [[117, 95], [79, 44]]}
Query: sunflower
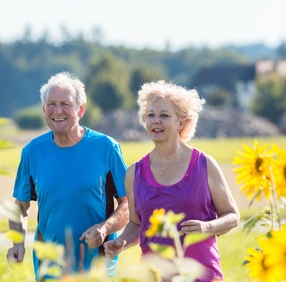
{"points": [[279, 171], [258, 263], [157, 222], [276, 250], [162, 223], [254, 173]]}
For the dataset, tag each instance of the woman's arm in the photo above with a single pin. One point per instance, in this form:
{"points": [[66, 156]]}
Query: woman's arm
{"points": [[227, 212]]}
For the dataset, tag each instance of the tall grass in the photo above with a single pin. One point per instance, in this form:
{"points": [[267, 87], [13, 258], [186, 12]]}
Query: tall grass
{"points": [[222, 149], [233, 250]]}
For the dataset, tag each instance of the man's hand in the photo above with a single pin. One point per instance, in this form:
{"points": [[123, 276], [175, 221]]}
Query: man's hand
{"points": [[94, 236], [16, 253]]}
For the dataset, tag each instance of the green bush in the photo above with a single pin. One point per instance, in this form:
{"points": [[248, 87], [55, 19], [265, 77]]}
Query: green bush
{"points": [[29, 118]]}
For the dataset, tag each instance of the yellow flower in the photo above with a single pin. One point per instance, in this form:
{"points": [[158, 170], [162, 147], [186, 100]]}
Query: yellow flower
{"points": [[280, 171], [157, 222], [259, 266], [254, 171], [163, 223], [269, 263], [49, 251], [276, 250]]}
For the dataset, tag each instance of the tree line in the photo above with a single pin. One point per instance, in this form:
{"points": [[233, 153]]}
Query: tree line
{"points": [[113, 74]]}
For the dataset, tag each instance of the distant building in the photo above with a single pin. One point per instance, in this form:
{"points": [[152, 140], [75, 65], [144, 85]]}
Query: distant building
{"points": [[236, 80], [267, 67]]}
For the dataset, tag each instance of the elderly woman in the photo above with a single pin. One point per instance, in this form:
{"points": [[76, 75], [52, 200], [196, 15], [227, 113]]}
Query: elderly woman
{"points": [[176, 177]]}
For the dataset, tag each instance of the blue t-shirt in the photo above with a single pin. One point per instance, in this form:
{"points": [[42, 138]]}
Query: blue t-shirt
{"points": [[75, 189]]}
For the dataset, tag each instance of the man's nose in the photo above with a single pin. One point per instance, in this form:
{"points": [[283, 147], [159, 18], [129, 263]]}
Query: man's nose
{"points": [[58, 109]]}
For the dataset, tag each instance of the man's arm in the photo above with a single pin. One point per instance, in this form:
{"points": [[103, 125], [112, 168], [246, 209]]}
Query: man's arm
{"points": [[17, 252], [95, 235]]}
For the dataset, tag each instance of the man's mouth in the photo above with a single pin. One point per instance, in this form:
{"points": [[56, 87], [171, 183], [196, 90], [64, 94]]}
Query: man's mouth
{"points": [[58, 119]]}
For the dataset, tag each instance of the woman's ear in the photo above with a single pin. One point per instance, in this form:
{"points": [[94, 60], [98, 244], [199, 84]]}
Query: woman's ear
{"points": [[181, 125]]}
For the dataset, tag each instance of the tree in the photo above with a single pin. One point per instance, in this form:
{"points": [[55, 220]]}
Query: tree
{"points": [[107, 83], [140, 75], [270, 99], [220, 97], [281, 50]]}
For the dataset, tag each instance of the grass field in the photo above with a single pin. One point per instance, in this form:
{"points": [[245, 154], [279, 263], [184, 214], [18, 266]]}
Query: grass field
{"points": [[232, 245]]}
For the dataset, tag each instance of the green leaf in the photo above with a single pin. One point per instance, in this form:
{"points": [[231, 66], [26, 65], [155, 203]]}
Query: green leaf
{"points": [[174, 218], [193, 238], [166, 251], [4, 171], [15, 236], [55, 271], [49, 251], [250, 224], [4, 144], [256, 195], [10, 209]]}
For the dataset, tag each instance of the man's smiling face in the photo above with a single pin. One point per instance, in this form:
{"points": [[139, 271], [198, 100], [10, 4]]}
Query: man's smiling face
{"points": [[61, 110]]}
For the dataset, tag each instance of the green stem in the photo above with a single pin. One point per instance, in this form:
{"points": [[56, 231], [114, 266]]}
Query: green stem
{"points": [[177, 242], [273, 202]]}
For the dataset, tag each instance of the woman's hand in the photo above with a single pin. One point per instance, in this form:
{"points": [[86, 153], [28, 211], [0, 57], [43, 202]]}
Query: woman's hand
{"points": [[195, 226], [113, 248]]}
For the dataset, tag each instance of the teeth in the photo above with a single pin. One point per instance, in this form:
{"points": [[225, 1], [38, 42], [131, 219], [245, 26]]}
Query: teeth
{"points": [[58, 119]]}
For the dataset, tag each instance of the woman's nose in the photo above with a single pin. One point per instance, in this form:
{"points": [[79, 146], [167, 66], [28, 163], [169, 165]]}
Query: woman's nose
{"points": [[156, 119]]}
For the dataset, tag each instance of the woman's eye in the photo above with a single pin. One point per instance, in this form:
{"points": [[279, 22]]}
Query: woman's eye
{"points": [[164, 115], [150, 115]]}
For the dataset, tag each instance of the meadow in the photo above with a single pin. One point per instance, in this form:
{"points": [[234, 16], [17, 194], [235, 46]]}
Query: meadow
{"points": [[232, 245]]}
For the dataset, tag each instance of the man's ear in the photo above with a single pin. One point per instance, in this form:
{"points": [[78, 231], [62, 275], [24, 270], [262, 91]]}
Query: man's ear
{"points": [[82, 110]]}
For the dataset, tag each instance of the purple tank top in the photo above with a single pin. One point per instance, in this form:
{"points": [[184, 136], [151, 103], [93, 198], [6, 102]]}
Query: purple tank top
{"points": [[191, 196]]}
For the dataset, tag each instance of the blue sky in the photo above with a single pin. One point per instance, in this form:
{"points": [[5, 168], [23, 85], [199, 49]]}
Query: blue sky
{"points": [[150, 23]]}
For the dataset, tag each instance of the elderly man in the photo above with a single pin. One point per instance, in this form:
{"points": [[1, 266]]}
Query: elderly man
{"points": [[73, 173]]}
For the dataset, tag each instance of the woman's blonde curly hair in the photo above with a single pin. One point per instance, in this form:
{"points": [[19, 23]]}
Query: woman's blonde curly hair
{"points": [[186, 102]]}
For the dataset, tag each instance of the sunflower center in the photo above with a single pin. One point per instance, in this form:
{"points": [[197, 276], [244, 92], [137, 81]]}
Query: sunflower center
{"points": [[258, 163], [263, 264]]}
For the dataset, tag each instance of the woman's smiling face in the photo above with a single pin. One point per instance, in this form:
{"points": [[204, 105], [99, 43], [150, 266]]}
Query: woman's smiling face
{"points": [[162, 122]]}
